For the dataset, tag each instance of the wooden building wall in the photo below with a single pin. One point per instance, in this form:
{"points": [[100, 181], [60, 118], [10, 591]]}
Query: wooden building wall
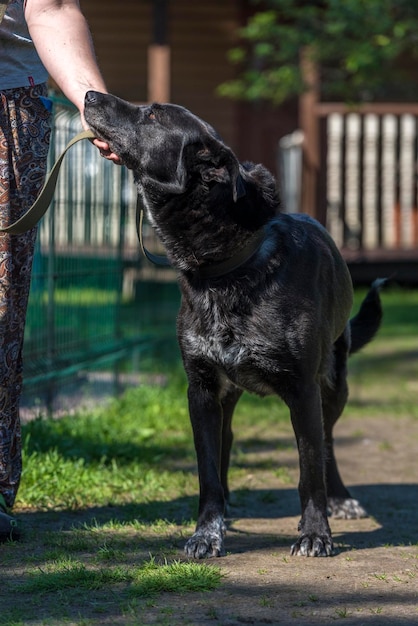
{"points": [[201, 33], [121, 33]]}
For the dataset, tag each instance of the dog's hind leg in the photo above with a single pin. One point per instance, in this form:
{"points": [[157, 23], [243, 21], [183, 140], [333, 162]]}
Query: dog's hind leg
{"points": [[362, 329], [334, 397], [315, 535]]}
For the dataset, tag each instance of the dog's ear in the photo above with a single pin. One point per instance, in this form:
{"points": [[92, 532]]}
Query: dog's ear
{"points": [[221, 165]]}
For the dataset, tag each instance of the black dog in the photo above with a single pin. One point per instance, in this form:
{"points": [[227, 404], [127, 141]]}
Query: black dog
{"points": [[266, 299]]}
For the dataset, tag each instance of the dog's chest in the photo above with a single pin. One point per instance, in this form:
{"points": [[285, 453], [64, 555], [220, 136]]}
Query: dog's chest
{"points": [[214, 332], [222, 347], [229, 344]]}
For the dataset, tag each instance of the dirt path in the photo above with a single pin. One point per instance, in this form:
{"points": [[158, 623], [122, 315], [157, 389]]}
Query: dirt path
{"points": [[373, 579]]}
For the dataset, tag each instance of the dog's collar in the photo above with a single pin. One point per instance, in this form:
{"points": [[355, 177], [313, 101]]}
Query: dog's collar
{"points": [[210, 270], [216, 270]]}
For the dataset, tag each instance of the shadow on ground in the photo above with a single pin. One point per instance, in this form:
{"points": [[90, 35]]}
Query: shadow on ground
{"points": [[391, 506]]}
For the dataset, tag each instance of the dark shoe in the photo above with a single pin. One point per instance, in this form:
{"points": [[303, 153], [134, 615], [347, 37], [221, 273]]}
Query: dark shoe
{"points": [[9, 530]]}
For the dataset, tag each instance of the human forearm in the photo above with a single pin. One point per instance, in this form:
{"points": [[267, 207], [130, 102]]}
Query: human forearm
{"points": [[62, 39]]}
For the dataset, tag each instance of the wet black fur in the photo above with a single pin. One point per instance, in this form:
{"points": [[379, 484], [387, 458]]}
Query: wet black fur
{"points": [[279, 324]]}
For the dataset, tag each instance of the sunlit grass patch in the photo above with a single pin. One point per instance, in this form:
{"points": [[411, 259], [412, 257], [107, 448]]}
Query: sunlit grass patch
{"points": [[68, 573], [148, 579], [176, 577]]}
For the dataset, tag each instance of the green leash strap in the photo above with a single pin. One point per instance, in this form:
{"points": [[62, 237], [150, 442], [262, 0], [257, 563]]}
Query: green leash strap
{"points": [[41, 204], [157, 259]]}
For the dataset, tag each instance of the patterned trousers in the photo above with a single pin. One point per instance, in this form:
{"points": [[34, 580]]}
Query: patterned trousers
{"points": [[24, 142]]}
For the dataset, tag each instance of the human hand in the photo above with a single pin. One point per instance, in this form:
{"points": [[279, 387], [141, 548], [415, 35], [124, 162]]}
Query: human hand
{"points": [[106, 152], [102, 145]]}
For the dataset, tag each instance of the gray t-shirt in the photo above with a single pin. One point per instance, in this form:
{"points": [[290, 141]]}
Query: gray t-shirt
{"points": [[20, 65]]}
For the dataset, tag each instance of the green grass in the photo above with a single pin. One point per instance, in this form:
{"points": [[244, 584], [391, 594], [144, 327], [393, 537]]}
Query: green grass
{"points": [[383, 376], [107, 496], [124, 452], [83, 297]]}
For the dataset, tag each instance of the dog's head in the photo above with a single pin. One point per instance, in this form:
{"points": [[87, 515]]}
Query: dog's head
{"points": [[164, 143]]}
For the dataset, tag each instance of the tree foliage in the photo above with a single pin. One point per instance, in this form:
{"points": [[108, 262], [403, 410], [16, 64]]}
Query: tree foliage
{"points": [[358, 46]]}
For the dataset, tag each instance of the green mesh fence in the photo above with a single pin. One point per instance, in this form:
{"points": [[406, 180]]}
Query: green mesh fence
{"points": [[90, 303]]}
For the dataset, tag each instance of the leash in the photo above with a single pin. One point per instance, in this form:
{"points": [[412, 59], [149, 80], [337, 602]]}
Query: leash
{"points": [[38, 209], [156, 259]]}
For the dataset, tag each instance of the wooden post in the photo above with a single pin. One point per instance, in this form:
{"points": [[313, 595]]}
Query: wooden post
{"points": [[159, 55], [309, 124], [158, 73]]}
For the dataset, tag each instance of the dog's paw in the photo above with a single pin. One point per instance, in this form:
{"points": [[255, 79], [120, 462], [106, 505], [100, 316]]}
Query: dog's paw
{"points": [[313, 545], [207, 541], [345, 508]]}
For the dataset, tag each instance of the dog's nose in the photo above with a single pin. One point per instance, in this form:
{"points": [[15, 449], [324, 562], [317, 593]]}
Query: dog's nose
{"points": [[91, 97]]}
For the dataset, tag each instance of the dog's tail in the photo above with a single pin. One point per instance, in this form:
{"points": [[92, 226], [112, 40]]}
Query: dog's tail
{"points": [[366, 323]]}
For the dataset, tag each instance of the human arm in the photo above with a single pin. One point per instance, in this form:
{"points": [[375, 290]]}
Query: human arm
{"points": [[63, 41]]}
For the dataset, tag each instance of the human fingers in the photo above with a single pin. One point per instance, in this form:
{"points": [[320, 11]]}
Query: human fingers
{"points": [[106, 152]]}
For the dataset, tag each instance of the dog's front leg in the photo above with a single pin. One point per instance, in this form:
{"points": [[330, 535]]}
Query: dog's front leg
{"points": [[206, 418], [315, 535]]}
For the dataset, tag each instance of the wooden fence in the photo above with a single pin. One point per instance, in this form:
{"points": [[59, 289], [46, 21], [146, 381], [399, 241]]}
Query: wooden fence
{"points": [[360, 179]]}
